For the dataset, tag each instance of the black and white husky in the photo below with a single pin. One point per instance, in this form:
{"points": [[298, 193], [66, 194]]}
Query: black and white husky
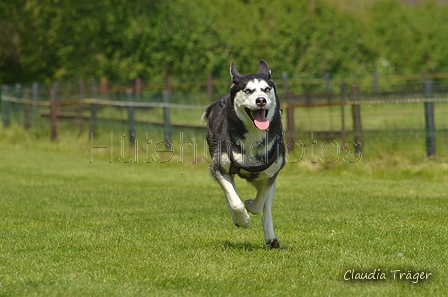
{"points": [[245, 138]]}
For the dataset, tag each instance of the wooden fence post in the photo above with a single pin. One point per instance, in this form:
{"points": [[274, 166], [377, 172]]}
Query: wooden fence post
{"points": [[131, 120], [93, 109], [343, 112], [290, 129], [356, 115], [327, 80], [53, 116], [80, 105], [35, 97], [429, 120], [104, 86], [166, 111], [92, 118]]}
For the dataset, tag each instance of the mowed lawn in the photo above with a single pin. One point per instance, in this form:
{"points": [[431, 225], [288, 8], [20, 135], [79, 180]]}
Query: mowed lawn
{"points": [[73, 228]]}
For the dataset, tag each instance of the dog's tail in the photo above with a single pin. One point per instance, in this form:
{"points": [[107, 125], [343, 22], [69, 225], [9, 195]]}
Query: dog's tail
{"points": [[207, 112]]}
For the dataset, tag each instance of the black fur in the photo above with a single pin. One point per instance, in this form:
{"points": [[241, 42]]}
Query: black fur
{"points": [[225, 135], [226, 130]]}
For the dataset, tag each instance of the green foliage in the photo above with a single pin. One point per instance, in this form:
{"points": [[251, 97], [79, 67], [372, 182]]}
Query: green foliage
{"points": [[52, 39], [410, 39]]}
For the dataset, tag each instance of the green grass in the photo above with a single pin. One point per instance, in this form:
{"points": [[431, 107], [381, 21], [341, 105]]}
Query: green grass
{"points": [[74, 228]]}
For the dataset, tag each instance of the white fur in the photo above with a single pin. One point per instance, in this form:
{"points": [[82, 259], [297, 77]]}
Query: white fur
{"points": [[265, 186], [252, 146], [236, 206], [243, 100], [263, 203], [225, 161], [254, 135]]}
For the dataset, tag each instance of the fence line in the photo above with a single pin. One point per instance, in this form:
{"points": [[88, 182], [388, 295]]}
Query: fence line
{"points": [[105, 102], [208, 83], [351, 98], [120, 103]]}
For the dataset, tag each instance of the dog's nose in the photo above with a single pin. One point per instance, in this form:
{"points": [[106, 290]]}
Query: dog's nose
{"points": [[260, 101]]}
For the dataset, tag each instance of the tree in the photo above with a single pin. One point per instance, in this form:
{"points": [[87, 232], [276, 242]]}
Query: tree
{"points": [[122, 40]]}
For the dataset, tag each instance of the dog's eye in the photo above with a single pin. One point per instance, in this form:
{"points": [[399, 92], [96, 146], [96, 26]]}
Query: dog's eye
{"points": [[247, 91], [268, 89]]}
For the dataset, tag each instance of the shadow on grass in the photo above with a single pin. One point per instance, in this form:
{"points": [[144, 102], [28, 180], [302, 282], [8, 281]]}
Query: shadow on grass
{"points": [[247, 246]]}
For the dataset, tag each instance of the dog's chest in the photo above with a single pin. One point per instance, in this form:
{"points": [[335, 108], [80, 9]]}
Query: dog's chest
{"points": [[255, 150], [265, 174], [256, 140]]}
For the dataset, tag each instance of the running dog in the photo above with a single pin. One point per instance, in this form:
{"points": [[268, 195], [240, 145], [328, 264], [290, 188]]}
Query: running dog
{"points": [[244, 135]]}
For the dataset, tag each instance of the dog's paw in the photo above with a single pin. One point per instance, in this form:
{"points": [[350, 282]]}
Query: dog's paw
{"points": [[273, 243], [241, 217], [248, 204], [252, 208]]}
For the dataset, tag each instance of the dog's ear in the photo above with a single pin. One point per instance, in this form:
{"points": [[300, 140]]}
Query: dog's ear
{"points": [[264, 68], [236, 76]]}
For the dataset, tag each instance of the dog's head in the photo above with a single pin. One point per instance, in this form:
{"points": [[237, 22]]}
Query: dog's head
{"points": [[254, 96]]}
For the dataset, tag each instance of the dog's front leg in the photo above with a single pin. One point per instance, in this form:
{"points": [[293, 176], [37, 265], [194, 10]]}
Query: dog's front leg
{"points": [[268, 225], [263, 202], [236, 206], [264, 188]]}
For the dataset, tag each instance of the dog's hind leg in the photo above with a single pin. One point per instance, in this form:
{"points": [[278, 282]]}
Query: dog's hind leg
{"points": [[236, 206]]}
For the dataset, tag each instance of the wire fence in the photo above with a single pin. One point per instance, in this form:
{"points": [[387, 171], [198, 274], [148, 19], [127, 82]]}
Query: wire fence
{"points": [[324, 117]]}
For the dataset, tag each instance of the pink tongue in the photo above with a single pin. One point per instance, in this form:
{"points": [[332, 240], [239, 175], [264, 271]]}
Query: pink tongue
{"points": [[261, 122]]}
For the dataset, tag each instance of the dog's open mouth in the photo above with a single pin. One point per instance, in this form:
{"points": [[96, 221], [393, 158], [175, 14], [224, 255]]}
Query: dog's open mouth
{"points": [[258, 116]]}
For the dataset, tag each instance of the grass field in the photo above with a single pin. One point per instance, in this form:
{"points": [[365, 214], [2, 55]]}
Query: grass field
{"points": [[73, 228]]}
